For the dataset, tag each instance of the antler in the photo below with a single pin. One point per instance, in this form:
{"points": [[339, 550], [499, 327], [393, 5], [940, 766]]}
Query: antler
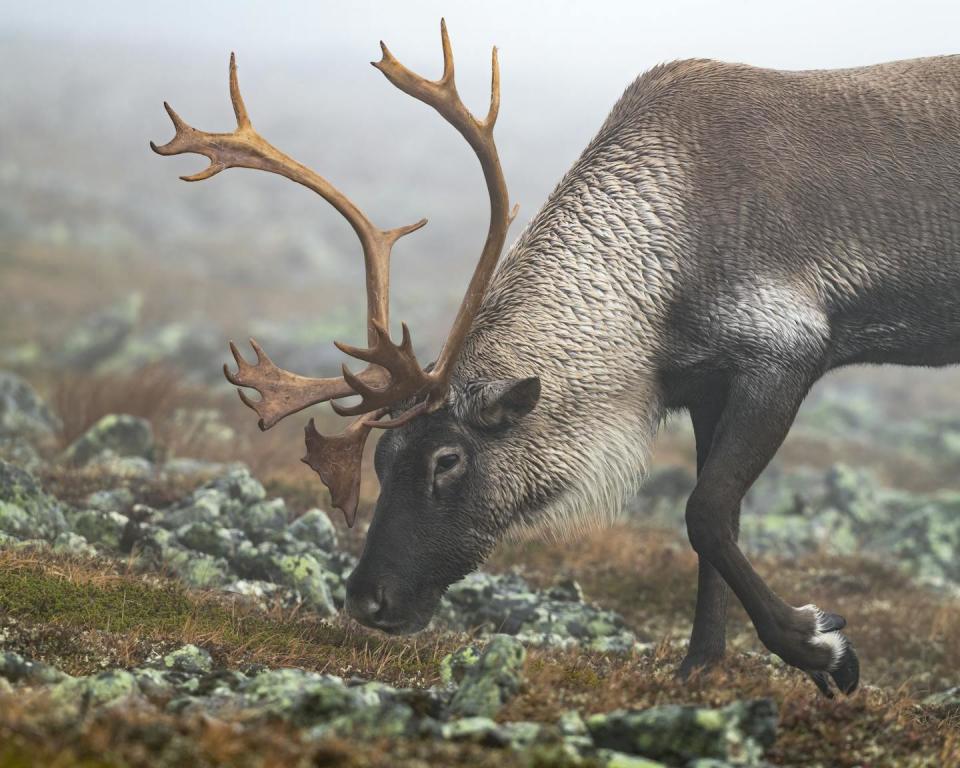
{"points": [[393, 373], [282, 392], [442, 96]]}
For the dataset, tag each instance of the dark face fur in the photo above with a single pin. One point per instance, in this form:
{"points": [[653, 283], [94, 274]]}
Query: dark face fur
{"points": [[434, 522]]}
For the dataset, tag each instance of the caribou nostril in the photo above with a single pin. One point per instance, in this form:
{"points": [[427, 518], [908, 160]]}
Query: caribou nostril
{"points": [[368, 608]]}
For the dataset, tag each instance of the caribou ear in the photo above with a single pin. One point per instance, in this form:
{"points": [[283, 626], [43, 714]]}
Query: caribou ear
{"points": [[501, 402]]}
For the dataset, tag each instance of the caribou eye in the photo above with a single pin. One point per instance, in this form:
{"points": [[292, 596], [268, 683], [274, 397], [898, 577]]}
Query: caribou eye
{"points": [[447, 461]]}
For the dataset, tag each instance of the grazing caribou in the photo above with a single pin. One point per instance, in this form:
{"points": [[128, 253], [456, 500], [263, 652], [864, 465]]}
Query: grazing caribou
{"points": [[729, 236]]}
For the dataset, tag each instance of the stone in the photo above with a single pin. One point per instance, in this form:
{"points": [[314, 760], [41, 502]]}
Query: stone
{"points": [[102, 529], [948, 700], [195, 568], [72, 697], [613, 759], [239, 485], [16, 669], [477, 729], [455, 665], [261, 519], [210, 539], [203, 506], [304, 574], [491, 682], [738, 733], [22, 412], [73, 544], [101, 335], [314, 527], [26, 512], [506, 603], [111, 500], [119, 434], [303, 698], [189, 658]]}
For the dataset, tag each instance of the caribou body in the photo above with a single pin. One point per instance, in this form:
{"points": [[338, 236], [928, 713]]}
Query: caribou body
{"points": [[729, 236]]}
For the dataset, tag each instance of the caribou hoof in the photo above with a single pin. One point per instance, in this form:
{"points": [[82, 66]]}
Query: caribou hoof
{"points": [[844, 666]]}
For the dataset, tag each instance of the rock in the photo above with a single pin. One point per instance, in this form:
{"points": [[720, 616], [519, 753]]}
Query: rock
{"points": [[73, 697], [122, 467], [493, 680], [210, 539], [948, 700], [566, 590], [18, 451], [195, 568], [479, 730], [264, 592], [73, 544], [120, 434], [506, 603], [22, 412], [110, 500], [16, 669], [304, 574], [26, 512], [314, 527], [455, 665], [103, 529], [302, 698], [190, 659], [102, 335], [613, 759], [239, 486], [738, 733], [204, 505], [261, 519]]}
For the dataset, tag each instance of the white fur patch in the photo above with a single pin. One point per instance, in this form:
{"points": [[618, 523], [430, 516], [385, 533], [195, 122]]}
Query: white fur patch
{"points": [[821, 638]]}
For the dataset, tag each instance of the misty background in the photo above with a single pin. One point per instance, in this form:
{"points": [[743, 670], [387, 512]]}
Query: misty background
{"points": [[93, 224]]}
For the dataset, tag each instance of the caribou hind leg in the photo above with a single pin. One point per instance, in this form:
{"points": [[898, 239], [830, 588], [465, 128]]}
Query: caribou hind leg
{"points": [[708, 637], [759, 409]]}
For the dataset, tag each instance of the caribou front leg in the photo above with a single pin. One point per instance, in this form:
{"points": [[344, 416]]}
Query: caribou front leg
{"points": [[758, 413]]}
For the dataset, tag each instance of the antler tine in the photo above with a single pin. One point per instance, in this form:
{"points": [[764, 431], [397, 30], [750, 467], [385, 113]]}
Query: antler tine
{"points": [[443, 97], [282, 392]]}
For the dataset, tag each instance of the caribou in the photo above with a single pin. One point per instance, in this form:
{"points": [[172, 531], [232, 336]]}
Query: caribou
{"points": [[730, 235]]}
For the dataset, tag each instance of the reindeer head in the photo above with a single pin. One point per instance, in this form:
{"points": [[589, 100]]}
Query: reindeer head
{"points": [[434, 520]]}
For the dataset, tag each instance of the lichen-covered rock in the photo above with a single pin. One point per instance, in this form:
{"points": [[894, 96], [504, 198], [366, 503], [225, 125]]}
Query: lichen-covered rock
{"points": [[948, 700], [72, 697], [305, 574], [202, 506], [455, 665], [72, 543], [103, 529], [261, 519], [506, 603], [26, 512], [189, 658], [496, 677], [22, 412], [479, 730], [101, 335], [211, 539], [16, 669], [117, 434], [110, 500], [737, 734], [239, 486], [613, 759], [314, 528], [303, 698], [195, 568]]}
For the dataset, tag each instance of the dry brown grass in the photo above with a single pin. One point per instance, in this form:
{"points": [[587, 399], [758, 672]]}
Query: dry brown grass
{"points": [[67, 612]]}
